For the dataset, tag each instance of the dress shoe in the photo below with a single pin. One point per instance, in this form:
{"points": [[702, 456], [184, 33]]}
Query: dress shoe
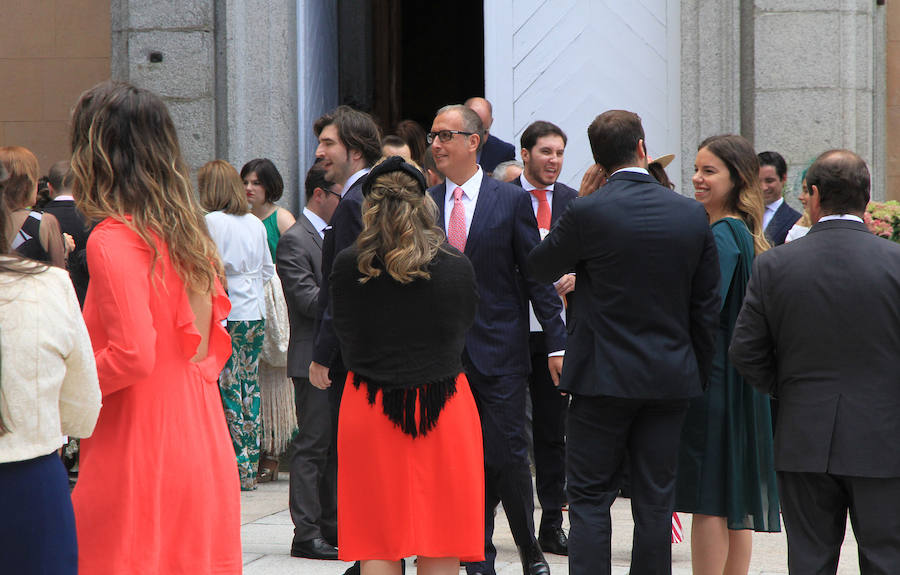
{"points": [[316, 548], [353, 569], [554, 540], [533, 562]]}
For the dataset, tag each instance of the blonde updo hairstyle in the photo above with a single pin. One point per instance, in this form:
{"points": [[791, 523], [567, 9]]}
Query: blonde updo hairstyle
{"points": [[400, 234], [745, 198]]}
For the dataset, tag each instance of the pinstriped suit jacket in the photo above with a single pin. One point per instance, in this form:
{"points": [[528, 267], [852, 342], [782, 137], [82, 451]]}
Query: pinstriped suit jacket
{"points": [[502, 233]]}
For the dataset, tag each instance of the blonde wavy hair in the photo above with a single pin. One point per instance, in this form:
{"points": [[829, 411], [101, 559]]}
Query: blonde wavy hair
{"points": [[127, 163], [399, 234], [746, 197]]}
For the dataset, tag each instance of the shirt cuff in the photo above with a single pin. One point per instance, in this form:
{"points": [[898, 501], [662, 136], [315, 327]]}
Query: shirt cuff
{"points": [[559, 353]]}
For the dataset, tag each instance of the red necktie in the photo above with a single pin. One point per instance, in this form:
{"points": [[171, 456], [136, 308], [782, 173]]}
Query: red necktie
{"points": [[456, 230], [543, 213]]}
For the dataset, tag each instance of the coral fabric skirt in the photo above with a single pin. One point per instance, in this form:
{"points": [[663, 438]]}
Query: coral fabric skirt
{"points": [[400, 496]]}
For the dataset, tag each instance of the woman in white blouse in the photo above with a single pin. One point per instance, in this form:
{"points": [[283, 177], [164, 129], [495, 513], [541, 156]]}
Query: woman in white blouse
{"points": [[48, 388], [241, 239]]}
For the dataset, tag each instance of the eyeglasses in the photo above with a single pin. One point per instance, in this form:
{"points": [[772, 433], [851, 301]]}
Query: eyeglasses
{"points": [[333, 193], [445, 135]]}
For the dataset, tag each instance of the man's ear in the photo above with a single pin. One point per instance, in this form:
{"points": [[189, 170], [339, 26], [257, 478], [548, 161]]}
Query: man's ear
{"points": [[526, 155], [641, 149]]}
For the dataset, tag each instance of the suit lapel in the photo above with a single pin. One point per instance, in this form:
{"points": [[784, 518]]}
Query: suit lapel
{"points": [[439, 195], [484, 207], [311, 230]]}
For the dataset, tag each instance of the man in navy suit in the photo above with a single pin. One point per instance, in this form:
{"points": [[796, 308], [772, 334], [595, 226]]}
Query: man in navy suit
{"points": [[543, 149], [349, 145], [641, 339], [71, 222], [493, 150], [779, 217], [494, 225]]}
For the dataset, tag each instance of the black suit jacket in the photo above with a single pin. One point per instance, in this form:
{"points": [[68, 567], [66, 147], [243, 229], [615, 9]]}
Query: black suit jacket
{"points": [[299, 263], [495, 151], [346, 225], [72, 222], [820, 327], [648, 301], [502, 232], [781, 223]]}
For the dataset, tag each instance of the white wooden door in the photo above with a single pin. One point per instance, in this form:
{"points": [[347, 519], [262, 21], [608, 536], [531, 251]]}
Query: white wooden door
{"points": [[565, 61]]}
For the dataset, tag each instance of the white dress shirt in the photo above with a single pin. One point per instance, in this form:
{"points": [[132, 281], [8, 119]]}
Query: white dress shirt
{"points": [[850, 217], [352, 180], [316, 221], [634, 169], [244, 250], [770, 211], [469, 198]]}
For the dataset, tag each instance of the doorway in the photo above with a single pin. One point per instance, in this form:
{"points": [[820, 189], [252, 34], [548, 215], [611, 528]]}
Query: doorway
{"points": [[402, 59]]}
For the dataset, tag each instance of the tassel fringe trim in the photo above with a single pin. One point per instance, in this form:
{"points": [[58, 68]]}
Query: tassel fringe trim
{"points": [[400, 403]]}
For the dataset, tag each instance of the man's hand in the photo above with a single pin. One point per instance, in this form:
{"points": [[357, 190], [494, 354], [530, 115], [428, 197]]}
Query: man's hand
{"points": [[555, 363], [593, 179], [69, 242], [318, 375], [565, 284]]}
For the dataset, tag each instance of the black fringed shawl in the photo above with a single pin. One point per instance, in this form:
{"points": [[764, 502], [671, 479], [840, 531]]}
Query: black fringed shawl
{"points": [[405, 340]]}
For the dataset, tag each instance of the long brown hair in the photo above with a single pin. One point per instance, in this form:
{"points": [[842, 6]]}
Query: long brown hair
{"points": [[399, 231], [126, 162], [746, 197]]}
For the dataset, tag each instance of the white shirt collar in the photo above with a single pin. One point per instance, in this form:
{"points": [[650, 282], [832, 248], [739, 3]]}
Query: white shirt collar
{"points": [[634, 169], [352, 180], [528, 186], [773, 207], [316, 221], [470, 187], [850, 217], [64, 197]]}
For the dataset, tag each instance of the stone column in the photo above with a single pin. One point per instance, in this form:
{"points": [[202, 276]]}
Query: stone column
{"points": [[815, 86], [710, 76], [167, 46], [257, 68]]}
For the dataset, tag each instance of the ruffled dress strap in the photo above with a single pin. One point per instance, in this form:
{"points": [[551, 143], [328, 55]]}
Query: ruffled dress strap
{"points": [[219, 344]]}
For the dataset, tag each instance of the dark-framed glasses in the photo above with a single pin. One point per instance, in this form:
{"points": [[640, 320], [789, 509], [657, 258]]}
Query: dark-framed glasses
{"points": [[444, 135]]}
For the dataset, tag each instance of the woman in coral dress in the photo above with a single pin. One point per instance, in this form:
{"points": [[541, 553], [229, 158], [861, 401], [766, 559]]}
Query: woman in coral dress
{"points": [[158, 488]]}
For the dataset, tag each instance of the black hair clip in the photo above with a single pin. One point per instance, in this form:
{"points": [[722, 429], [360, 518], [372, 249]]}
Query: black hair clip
{"points": [[393, 164]]}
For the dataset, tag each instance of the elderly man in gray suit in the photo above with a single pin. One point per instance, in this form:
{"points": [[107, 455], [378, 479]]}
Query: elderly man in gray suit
{"points": [[313, 490], [820, 329]]}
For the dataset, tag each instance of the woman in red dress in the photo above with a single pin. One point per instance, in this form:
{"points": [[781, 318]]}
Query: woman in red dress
{"points": [[158, 488], [410, 462]]}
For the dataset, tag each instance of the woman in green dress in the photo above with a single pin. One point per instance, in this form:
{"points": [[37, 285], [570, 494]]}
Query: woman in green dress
{"points": [[726, 471]]}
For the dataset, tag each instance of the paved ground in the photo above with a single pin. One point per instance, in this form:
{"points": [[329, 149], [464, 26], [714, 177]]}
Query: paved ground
{"points": [[267, 530]]}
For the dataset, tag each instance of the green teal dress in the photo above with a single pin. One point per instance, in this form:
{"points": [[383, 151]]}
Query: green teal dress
{"points": [[726, 464], [272, 232]]}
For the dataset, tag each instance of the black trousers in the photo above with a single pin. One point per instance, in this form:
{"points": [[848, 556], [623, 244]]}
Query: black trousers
{"points": [[600, 431], [814, 507], [313, 490], [507, 476], [548, 428]]}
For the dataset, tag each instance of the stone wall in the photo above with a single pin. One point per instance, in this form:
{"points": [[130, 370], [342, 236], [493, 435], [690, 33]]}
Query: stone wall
{"points": [[225, 68]]}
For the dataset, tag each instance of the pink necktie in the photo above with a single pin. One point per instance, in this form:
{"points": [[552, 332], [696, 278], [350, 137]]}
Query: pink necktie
{"points": [[456, 230]]}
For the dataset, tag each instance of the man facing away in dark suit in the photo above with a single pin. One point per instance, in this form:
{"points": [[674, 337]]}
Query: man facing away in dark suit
{"points": [[349, 145], [62, 205], [640, 343], [820, 329], [779, 217], [493, 150], [313, 493], [494, 225], [543, 150]]}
